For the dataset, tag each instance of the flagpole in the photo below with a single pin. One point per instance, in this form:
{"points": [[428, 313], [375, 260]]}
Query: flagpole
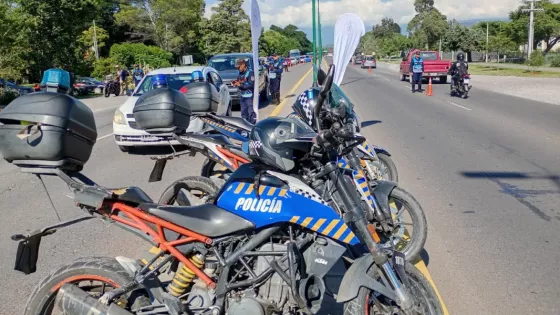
{"points": [[320, 35], [314, 21]]}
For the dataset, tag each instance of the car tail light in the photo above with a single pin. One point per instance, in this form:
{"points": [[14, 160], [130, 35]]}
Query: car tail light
{"points": [[184, 90]]}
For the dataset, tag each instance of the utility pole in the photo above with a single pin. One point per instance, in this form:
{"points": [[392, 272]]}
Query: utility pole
{"points": [[531, 26], [487, 43], [166, 40], [95, 41], [440, 52]]}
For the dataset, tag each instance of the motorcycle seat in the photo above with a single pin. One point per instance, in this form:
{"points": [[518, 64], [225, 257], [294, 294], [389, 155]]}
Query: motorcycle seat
{"points": [[131, 194], [207, 219], [237, 122]]}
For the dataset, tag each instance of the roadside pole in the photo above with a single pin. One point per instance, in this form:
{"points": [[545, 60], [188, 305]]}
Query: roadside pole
{"points": [[487, 43], [530, 40], [314, 22], [320, 35]]}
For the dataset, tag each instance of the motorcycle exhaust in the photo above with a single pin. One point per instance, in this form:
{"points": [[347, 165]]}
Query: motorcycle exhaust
{"points": [[72, 300]]}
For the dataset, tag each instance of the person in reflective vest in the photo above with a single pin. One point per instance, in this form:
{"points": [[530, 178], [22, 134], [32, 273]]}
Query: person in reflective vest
{"points": [[275, 75], [416, 70], [245, 83]]}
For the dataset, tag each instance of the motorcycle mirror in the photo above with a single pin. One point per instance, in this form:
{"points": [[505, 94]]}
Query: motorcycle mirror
{"points": [[323, 95]]}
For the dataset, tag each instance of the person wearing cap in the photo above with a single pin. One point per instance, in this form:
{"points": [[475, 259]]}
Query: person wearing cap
{"points": [[417, 68], [245, 83], [276, 68], [137, 74]]}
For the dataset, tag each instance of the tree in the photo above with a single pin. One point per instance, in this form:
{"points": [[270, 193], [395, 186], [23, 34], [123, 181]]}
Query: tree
{"points": [[547, 25], [87, 39], [227, 30], [13, 26], [173, 25], [536, 60], [462, 38], [274, 42], [127, 54], [428, 25], [387, 28], [291, 31]]}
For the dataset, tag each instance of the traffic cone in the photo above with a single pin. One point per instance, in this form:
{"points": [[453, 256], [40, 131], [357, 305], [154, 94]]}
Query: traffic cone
{"points": [[429, 92], [369, 70]]}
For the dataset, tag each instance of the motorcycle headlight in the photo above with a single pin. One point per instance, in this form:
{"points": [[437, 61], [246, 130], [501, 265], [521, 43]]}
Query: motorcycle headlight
{"points": [[119, 118]]}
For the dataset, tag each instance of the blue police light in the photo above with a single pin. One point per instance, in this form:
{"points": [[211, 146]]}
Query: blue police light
{"points": [[197, 76]]}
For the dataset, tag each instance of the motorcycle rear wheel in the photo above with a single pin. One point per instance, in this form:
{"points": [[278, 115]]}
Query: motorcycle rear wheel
{"points": [[107, 91], [189, 191], [426, 300], [106, 272]]}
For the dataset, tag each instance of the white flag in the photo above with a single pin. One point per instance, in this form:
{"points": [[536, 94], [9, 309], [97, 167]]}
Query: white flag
{"points": [[348, 31], [256, 29]]}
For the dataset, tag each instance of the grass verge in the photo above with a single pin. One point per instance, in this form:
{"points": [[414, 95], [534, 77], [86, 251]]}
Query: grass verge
{"points": [[497, 71]]}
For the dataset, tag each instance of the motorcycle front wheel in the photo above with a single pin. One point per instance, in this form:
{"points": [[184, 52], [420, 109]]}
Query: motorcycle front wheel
{"points": [[410, 225], [385, 170], [107, 91], [425, 298]]}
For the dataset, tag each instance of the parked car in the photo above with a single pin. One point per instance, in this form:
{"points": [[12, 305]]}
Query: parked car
{"points": [[358, 60], [294, 61], [434, 66], [307, 58], [90, 85], [369, 61], [127, 133], [20, 89], [225, 65], [301, 59]]}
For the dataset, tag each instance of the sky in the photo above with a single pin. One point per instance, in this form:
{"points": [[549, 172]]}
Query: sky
{"points": [[298, 12]]}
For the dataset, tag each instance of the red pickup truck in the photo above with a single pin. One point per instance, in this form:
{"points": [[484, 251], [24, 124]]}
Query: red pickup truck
{"points": [[433, 65]]}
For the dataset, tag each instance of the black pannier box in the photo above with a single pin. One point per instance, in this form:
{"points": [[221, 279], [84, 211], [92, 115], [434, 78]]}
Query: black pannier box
{"points": [[162, 111], [201, 98], [47, 129]]}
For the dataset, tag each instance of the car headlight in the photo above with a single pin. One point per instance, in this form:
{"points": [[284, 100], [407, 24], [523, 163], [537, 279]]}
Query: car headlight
{"points": [[118, 118]]}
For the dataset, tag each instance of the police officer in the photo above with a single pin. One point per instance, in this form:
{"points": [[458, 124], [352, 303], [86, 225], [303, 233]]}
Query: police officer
{"points": [[276, 68], [245, 83], [416, 70]]}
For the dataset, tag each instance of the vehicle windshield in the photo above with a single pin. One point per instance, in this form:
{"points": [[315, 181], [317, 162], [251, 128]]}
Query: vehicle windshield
{"points": [[226, 63], [428, 55], [370, 58], [175, 81]]}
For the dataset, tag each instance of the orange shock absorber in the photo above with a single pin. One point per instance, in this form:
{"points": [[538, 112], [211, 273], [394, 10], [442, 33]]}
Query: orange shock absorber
{"points": [[184, 276]]}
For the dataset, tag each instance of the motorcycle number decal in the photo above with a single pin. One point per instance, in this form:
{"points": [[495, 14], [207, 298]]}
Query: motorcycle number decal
{"points": [[467, 80]]}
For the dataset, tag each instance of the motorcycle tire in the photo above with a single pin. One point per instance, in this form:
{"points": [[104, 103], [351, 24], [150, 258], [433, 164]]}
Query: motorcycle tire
{"points": [[105, 270], [389, 165], [201, 186], [117, 92], [417, 239], [426, 300], [107, 91]]}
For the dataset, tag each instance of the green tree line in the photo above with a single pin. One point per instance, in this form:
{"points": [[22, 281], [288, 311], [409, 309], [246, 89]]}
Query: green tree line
{"points": [[36, 35], [429, 27]]}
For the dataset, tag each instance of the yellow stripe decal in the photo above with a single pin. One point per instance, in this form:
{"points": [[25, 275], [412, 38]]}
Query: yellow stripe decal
{"points": [[249, 189], [318, 224], [261, 190], [239, 188], [340, 231], [306, 222], [271, 191], [294, 219], [363, 185], [283, 192], [329, 227], [349, 237]]}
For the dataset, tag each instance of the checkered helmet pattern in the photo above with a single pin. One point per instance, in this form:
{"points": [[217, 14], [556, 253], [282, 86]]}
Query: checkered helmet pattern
{"points": [[308, 109]]}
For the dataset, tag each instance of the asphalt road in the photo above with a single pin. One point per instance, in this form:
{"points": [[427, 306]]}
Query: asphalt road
{"points": [[25, 206], [487, 172]]}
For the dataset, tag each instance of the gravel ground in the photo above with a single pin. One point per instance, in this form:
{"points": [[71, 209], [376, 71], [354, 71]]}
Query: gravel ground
{"points": [[536, 89]]}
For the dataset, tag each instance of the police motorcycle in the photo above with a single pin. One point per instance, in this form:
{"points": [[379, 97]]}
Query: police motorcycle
{"points": [[375, 160], [397, 216], [263, 247]]}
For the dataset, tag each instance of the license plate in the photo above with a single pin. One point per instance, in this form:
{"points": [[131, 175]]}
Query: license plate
{"points": [[466, 81], [151, 138]]}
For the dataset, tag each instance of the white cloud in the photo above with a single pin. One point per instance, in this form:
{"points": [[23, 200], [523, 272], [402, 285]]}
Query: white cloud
{"points": [[298, 12]]}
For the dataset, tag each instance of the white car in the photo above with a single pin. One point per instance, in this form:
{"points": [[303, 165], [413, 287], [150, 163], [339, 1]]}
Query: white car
{"points": [[127, 133], [294, 61]]}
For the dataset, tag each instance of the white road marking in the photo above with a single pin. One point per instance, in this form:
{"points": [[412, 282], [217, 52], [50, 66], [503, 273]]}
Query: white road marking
{"points": [[463, 107], [105, 136], [106, 108]]}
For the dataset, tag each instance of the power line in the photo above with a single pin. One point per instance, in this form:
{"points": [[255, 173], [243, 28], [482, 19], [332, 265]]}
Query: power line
{"points": [[531, 11]]}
